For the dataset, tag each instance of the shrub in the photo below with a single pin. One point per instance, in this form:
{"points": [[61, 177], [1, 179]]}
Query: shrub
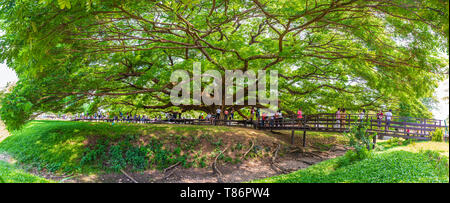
{"points": [[137, 157], [116, 161], [395, 141], [352, 156], [437, 135], [359, 137], [96, 154]]}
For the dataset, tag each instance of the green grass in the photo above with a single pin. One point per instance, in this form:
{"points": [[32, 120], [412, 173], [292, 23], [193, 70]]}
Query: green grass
{"points": [[84, 147], [10, 174], [409, 165]]}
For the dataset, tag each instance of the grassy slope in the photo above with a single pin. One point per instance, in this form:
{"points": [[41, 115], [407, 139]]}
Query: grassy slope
{"points": [[60, 146], [10, 174], [395, 165]]}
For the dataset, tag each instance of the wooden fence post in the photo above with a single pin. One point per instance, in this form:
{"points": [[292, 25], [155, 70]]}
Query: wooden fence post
{"points": [[374, 141], [304, 138]]}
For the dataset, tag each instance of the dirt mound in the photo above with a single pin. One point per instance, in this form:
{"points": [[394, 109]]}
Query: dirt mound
{"points": [[177, 153], [231, 173], [262, 154]]}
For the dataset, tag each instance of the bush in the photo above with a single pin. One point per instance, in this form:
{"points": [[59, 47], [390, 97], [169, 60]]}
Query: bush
{"points": [[352, 156], [359, 137], [437, 135], [394, 142], [116, 161], [137, 157]]}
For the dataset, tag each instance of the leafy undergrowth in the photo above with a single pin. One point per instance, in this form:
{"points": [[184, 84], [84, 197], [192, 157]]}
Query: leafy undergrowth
{"points": [[407, 164], [82, 147], [10, 174]]}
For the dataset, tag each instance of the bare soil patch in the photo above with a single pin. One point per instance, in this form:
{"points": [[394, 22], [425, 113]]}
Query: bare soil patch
{"points": [[289, 158], [231, 173]]}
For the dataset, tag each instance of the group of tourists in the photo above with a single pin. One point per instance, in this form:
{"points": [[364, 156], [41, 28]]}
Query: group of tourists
{"points": [[121, 117], [97, 115], [228, 115], [265, 119], [341, 117]]}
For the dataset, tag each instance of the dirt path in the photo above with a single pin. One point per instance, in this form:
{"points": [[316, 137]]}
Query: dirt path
{"points": [[3, 135], [3, 132]]}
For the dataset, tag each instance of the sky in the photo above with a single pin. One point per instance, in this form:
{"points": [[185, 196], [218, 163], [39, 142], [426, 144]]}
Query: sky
{"points": [[441, 112], [6, 75]]}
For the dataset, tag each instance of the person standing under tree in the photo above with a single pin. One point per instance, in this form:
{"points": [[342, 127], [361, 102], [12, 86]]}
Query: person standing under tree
{"points": [[362, 115], [232, 114], [280, 118], [218, 113], [258, 113], [275, 118], [388, 119], [264, 115], [300, 117], [226, 114], [338, 118], [343, 118], [379, 118]]}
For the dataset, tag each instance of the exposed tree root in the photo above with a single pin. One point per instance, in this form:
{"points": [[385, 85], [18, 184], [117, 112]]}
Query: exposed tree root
{"points": [[275, 154], [250, 149], [169, 171], [128, 176], [171, 167], [314, 154], [274, 166], [297, 150], [307, 162], [214, 165], [169, 174]]}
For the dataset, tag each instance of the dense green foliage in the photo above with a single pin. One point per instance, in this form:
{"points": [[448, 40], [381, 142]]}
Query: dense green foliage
{"points": [[114, 54], [358, 135], [384, 167], [11, 174], [361, 142], [437, 135]]}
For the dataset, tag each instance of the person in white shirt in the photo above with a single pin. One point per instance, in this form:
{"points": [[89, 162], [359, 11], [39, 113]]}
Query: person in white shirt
{"points": [[388, 118], [361, 115], [218, 113]]}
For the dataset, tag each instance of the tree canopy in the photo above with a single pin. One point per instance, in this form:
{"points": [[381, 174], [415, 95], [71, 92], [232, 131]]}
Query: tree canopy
{"points": [[120, 54]]}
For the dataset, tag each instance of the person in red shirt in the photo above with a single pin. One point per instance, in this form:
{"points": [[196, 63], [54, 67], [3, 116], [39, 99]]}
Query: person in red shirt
{"points": [[299, 116], [264, 118], [226, 114], [379, 118]]}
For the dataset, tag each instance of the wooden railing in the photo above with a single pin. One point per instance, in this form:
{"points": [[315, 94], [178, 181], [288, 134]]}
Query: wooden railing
{"points": [[406, 127]]}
